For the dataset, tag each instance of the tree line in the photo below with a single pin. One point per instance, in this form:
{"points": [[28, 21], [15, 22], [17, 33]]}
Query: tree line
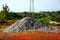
{"points": [[41, 16]]}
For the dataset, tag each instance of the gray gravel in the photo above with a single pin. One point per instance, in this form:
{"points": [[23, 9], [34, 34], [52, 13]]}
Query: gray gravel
{"points": [[29, 24]]}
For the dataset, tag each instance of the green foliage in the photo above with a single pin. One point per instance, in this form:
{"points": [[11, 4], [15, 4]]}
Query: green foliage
{"points": [[44, 20], [4, 13], [43, 16]]}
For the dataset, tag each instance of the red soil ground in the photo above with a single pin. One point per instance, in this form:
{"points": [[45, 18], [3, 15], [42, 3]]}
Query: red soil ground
{"points": [[33, 36], [2, 35]]}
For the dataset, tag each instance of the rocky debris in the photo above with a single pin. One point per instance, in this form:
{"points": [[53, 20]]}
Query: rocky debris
{"points": [[28, 24]]}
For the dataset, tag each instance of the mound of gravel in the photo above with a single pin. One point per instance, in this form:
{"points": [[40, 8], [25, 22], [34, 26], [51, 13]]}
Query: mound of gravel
{"points": [[29, 24]]}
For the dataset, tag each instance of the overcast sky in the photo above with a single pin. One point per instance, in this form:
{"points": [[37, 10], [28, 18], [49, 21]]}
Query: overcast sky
{"points": [[39, 5]]}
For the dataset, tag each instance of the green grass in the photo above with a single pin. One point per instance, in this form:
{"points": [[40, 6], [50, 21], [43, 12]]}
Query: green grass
{"points": [[4, 27]]}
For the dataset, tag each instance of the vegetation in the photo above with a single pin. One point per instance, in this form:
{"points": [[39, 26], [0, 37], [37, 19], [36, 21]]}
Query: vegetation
{"points": [[42, 16], [7, 18]]}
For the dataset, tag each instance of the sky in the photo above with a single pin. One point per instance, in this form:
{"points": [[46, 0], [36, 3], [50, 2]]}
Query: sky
{"points": [[39, 5]]}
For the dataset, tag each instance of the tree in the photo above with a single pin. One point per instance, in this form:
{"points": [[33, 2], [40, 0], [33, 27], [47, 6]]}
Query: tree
{"points": [[4, 13], [45, 20]]}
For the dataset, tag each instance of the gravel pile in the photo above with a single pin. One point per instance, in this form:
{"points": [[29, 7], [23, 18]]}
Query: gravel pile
{"points": [[29, 24]]}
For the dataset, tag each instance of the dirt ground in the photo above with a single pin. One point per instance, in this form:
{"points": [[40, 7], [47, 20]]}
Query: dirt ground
{"points": [[33, 36]]}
